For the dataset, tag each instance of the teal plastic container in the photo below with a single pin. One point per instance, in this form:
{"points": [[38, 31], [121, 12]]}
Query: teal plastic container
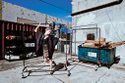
{"points": [[106, 56]]}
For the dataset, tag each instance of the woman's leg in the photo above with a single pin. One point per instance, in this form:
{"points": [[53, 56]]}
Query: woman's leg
{"points": [[45, 52], [50, 63]]}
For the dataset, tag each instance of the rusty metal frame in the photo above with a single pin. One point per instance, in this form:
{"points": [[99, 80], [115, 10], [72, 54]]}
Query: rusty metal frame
{"points": [[13, 26]]}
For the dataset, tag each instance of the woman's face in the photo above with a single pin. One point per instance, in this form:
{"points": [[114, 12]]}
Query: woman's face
{"points": [[47, 32]]}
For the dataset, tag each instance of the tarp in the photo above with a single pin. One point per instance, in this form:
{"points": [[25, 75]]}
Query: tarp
{"points": [[64, 29]]}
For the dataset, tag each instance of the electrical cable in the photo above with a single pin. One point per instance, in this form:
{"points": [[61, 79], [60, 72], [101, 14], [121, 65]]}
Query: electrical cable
{"points": [[55, 6]]}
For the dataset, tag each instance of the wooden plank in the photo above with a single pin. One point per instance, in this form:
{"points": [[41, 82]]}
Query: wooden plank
{"points": [[8, 26], [3, 27], [12, 28], [117, 44], [27, 28], [33, 33], [20, 28], [16, 27]]}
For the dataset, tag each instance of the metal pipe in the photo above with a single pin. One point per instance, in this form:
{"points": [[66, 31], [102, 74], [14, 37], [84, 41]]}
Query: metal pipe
{"points": [[114, 2]]}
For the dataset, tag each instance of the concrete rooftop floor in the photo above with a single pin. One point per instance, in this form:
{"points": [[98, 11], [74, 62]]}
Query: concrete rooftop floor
{"points": [[80, 72]]}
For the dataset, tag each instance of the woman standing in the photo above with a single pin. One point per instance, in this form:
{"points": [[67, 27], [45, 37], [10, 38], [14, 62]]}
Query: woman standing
{"points": [[47, 42]]}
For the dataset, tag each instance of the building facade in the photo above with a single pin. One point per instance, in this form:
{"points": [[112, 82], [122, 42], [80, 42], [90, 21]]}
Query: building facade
{"points": [[110, 20], [23, 15]]}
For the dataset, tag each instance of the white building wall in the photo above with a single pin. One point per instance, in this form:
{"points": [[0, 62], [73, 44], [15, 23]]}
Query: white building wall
{"points": [[11, 12], [111, 20]]}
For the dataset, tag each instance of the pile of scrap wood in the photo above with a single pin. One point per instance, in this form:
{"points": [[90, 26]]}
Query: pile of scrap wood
{"points": [[116, 44], [102, 43], [95, 43]]}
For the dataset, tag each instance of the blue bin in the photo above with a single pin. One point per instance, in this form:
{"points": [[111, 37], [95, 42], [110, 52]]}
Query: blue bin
{"points": [[106, 56]]}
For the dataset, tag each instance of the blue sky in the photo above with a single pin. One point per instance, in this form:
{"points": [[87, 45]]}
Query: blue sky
{"points": [[62, 10]]}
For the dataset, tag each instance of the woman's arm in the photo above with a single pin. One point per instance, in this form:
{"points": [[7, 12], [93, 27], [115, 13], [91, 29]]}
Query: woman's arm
{"points": [[37, 27]]}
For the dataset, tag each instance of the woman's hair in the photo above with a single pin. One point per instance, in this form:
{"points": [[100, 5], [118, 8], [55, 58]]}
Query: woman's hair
{"points": [[48, 28]]}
